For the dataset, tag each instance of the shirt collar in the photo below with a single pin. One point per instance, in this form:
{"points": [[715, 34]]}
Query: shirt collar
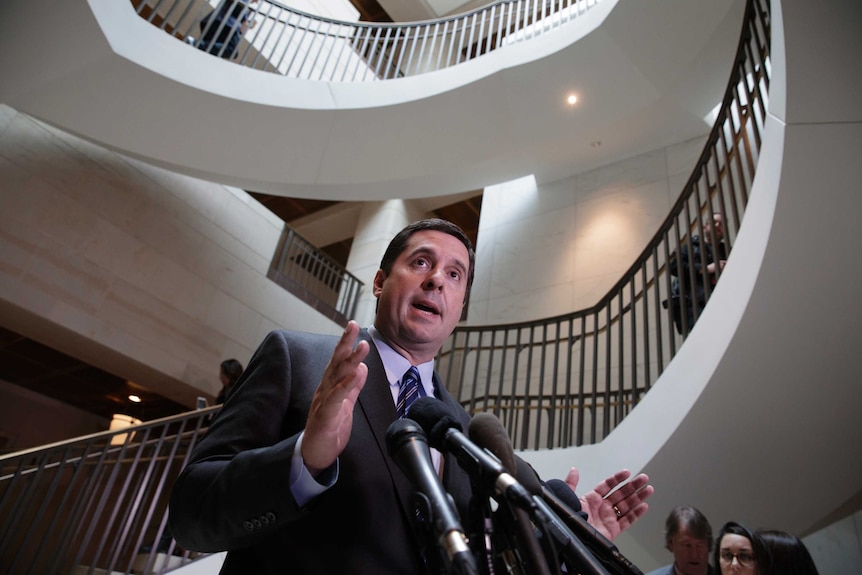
{"points": [[396, 365]]}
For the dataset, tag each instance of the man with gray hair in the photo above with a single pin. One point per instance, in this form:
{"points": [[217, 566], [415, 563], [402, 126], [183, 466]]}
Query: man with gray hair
{"points": [[688, 535]]}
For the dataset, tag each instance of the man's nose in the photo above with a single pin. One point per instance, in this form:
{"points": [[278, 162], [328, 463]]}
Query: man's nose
{"points": [[434, 279]]}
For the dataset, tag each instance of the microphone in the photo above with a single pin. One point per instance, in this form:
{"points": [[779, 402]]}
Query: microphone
{"points": [[488, 432], [566, 507], [444, 433], [563, 500], [408, 446]]}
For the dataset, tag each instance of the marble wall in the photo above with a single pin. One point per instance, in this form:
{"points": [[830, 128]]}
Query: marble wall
{"points": [[150, 275], [549, 249]]}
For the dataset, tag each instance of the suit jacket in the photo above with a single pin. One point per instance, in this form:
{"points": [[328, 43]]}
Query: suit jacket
{"points": [[235, 495], [694, 254]]}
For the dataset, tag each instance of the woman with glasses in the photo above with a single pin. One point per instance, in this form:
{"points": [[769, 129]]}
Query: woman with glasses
{"points": [[741, 551]]}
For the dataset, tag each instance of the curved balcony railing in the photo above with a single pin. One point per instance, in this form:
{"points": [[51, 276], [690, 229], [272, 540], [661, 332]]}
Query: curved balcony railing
{"points": [[273, 37], [97, 504], [314, 277], [569, 380]]}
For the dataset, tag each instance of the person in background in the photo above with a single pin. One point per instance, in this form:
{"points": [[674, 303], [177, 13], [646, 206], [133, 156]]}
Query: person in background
{"points": [[789, 554], [223, 28], [229, 372], [294, 474], [698, 257], [688, 535], [741, 551]]}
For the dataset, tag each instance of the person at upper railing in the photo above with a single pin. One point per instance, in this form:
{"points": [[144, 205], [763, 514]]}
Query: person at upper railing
{"points": [[223, 28], [698, 255], [294, 474], [688, 536]]}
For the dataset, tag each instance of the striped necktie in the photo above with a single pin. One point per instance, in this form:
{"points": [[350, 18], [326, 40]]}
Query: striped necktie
{"points": [[411, 389]]}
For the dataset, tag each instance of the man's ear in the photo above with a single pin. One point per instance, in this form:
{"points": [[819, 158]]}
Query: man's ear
{"points": [[377, 286]]}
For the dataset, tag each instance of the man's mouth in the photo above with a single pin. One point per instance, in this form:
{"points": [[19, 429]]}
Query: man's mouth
{"points": [[426, 307]]}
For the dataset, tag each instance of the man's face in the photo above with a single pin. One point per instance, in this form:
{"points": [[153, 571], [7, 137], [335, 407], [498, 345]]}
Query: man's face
{"points": [[690, 555], [717, 225], [420, 301]]}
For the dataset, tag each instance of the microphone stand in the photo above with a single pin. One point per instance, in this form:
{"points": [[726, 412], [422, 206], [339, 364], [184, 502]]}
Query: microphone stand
{"points": [[534, 550], [481, 534], [575, 555], [600, 546]]}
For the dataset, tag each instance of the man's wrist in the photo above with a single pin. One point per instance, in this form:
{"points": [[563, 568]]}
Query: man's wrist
{"points": [[303, 484]]}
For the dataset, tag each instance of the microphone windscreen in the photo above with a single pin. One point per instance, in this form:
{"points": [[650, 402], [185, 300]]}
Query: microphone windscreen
{"points": [[435, 418], [487, 431], [528, 477], [564, 493]]}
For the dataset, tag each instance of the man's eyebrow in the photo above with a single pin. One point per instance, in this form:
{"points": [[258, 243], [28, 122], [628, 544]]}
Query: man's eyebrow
{"points": [[460, 264], [456, 261], [439, 254]]}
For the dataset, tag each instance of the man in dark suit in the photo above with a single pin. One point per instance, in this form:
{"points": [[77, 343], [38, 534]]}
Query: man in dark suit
{"points": [[696, 269], [294, 474]]}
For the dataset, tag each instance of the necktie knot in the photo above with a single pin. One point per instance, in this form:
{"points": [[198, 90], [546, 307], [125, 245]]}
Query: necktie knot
{"points": [[410, 390]]}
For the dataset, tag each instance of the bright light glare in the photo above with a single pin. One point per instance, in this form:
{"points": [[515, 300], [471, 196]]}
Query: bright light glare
{"points": [[134, 399], [572, 99]]}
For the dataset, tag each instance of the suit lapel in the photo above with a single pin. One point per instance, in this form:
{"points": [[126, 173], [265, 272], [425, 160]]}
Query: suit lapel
{"points": [[376, 406], [454, 477]]}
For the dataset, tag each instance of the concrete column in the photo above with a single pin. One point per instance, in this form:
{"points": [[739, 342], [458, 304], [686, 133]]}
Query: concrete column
{"points": [[377, 225]]}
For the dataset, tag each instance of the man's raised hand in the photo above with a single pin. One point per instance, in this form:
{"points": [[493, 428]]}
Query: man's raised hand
{"points": [[330, 417]]}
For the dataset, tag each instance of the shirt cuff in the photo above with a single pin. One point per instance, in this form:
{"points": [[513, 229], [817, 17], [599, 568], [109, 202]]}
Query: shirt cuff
{"points": [[303, 486]]}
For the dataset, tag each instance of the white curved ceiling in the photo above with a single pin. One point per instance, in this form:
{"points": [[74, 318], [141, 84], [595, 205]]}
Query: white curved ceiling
{"points": [[645, 72]]}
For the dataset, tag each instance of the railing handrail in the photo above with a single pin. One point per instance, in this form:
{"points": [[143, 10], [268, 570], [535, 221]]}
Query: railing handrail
{"points": [[101, 435], [96, 502], [382, 50], [725, 170], [315, 277]]}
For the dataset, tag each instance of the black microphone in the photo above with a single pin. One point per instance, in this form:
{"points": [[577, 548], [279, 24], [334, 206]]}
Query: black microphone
{"points": [[560, 497], [408, 446], [488, 432], [444, 433], [567, 507]]}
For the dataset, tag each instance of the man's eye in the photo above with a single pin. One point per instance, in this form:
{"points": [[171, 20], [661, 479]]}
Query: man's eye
{"points": [[455, 275]]}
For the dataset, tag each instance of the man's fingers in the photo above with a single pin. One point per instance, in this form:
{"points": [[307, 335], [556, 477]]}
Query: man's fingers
{"points": [[573, 478], [632, 495], [344, 348], [611, 482], [626, 489], [343, 373], [633, 515], [343, 384]]}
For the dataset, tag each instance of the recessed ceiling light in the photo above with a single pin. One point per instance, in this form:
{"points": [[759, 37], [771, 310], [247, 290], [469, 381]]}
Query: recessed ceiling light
{"points": [[572, 99], [134, 399]]}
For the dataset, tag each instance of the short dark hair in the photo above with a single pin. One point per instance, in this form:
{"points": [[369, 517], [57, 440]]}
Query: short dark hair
{"points": [[399, 243], [762, 558], [688, 518], [789, 554], [232, 369]]}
